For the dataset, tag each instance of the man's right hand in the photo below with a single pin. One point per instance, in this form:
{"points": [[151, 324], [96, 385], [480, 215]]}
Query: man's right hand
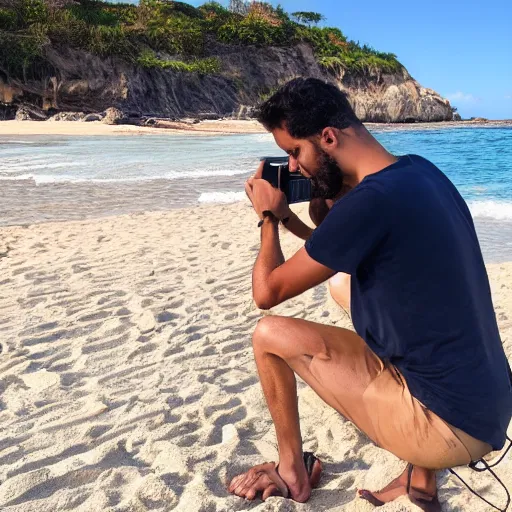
{"points": [[280, 208]]}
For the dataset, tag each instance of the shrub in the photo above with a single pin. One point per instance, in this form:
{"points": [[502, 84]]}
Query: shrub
{"points": [[8, 19], [93, 13], [148, 59], [20, 53], [134, 33]]}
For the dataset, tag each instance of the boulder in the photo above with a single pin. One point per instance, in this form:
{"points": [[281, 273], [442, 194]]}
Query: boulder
{"points": [[113, 116], [208, 116], [92, 117], [29, 113], [68, 116], [189, 120]]}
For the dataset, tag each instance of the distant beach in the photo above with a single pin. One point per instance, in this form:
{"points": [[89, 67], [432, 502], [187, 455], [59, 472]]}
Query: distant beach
{"points": [[226, 126]]}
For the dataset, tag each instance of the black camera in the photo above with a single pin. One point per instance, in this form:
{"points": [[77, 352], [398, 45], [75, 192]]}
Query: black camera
{"points": [[296, 187]]}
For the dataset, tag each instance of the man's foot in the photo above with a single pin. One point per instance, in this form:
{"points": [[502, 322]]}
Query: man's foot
{"points": [[266, 480], [421, 489]]}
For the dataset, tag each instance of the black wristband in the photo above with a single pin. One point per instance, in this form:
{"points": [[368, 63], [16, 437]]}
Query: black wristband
{"points": [[269, 214]]}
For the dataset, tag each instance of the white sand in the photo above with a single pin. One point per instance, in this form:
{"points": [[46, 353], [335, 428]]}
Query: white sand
{"points": [[127, 381], [98, 128], [225, 126]]}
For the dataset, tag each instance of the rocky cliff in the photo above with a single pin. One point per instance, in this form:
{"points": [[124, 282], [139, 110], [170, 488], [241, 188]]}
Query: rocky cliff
{"points": [[77, 81]]}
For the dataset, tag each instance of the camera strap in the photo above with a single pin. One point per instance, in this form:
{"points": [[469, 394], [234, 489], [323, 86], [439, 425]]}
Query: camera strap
{"points": [[476, 466]]}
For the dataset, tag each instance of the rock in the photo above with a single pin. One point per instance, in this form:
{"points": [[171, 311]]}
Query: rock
{"points": [[479, 119], [27, 113], [113, 116], [189, 120], [208, 116], [68, 116], [92, 117], [229, 432], [146, 322], [245, 112], [456, 117]]}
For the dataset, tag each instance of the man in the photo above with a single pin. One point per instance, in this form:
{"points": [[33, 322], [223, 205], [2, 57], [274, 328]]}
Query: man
{"points": [[427, 346]]}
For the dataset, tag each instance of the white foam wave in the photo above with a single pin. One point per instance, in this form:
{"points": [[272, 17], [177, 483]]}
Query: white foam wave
{"points": [[221, 197], [19, 177], [173, 175], [499, 210], [35, 166], [10, 141]]}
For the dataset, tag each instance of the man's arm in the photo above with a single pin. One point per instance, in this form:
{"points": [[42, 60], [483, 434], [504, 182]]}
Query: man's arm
{"points": [[273, 279], [297, 227], [318, 210]]}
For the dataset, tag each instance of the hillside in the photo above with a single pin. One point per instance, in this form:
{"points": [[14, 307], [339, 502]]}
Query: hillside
{"points": [[169, 59]]}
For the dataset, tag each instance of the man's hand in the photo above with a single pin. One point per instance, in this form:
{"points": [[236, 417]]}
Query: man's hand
{"points": [[264, 196]]}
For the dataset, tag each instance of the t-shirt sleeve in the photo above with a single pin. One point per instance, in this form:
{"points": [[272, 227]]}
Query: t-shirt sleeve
{"points": [[352, 229]]}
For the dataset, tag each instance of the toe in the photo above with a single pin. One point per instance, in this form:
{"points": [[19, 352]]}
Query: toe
{"points": [[271, 490], [234, 482]]}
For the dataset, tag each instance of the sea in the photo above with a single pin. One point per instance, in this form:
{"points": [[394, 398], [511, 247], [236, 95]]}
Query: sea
{"points": [[59, 178]]}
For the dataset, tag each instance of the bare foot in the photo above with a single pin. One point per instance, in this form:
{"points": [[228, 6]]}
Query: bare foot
{"points": [[265, 479], [422, 492]]}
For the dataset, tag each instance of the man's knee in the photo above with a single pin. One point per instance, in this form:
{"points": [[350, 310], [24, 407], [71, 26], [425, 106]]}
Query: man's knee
{"points": [[263, 333], [271, 332]]}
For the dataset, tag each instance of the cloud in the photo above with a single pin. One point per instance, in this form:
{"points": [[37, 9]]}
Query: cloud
{"points": [[508, 96], [462, 97]]}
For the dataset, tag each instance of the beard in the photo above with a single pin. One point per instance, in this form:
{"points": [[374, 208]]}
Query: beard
{"points": [[328, 180]]}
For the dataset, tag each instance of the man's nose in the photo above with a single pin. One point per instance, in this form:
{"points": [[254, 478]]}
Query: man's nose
{"points": [[293, 164]]}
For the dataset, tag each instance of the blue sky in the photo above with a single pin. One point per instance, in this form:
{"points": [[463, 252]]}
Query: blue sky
{"points": [[461, 49]]}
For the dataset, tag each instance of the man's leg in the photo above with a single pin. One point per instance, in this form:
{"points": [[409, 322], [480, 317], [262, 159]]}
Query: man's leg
{"points": [[339, 287], [335, 362], [338, 365]]}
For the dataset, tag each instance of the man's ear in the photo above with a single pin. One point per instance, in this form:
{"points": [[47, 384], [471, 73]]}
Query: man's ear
{"points": [[329, 139]]}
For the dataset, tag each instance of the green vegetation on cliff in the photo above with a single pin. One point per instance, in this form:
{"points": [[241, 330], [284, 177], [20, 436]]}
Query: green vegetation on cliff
{"points": [[168, 34]]}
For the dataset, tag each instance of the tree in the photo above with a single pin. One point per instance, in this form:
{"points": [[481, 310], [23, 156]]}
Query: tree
{"points": [[308, 17]]}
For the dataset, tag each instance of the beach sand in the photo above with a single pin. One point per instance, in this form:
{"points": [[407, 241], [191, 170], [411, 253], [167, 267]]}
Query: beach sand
{"points": [[221, 126], [127, 381], [98, 128]]}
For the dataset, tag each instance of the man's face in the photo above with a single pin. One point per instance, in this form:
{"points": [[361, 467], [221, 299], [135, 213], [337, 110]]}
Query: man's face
{"points": [[311, 161]]}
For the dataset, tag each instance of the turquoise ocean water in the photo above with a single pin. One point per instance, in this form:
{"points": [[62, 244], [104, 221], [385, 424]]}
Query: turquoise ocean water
{"points": [[60, 178]]}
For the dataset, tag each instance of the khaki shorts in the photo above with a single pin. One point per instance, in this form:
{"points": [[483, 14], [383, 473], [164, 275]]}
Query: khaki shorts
{"points": [[399, 423]]}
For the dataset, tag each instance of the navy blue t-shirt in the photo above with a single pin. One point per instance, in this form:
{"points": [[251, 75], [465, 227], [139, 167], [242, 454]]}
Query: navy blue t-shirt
{"points": [[420, 294]]}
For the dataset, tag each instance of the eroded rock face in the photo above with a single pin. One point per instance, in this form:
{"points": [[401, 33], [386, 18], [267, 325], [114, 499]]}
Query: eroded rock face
{"points": [[86, 83]]}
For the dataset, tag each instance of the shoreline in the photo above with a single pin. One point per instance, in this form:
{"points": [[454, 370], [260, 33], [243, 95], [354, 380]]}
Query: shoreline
{"points": [[217, 127]]}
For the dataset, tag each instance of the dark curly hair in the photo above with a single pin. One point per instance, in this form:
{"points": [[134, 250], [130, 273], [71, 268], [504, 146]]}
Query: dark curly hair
{"points": [[305, 106]]}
